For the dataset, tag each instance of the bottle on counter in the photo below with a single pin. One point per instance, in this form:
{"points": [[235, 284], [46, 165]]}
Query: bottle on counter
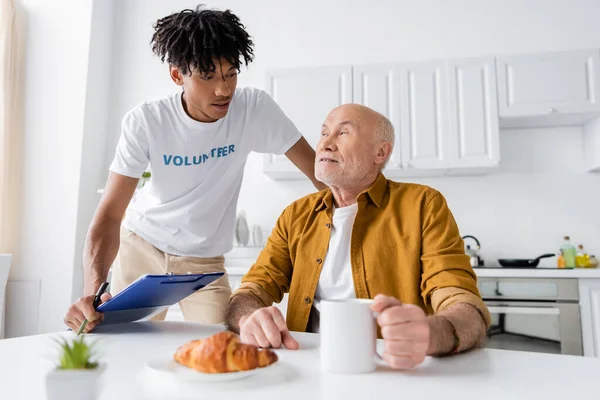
{"points": [[582, 260], [560, 261], [593, 261], [569, 253]]}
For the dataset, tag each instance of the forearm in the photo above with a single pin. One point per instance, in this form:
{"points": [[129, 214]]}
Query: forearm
{"points": [[101, 247], [460, 319], [241, 306], [302, 155]]}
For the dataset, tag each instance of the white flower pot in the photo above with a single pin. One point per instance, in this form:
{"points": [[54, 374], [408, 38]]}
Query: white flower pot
{"points": [[83, 384]]}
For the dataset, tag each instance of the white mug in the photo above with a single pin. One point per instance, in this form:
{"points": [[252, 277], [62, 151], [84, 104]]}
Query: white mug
{"points": [[348, 331]]}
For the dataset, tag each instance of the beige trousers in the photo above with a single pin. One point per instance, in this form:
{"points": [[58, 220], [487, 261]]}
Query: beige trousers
{"points": [[137, 257]]}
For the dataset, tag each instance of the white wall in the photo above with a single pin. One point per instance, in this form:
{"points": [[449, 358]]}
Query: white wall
{"points": [[539, 195], [57, 45], [97, 110], [524, 210]]}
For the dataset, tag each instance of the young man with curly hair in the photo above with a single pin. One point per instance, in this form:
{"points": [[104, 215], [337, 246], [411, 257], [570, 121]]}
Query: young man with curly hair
{"points": [[196, 142]]}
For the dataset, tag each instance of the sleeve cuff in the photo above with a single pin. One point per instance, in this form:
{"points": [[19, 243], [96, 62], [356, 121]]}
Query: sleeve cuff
{"points": [[125, 172], [256, 291], [283, 149], [448, 296]]}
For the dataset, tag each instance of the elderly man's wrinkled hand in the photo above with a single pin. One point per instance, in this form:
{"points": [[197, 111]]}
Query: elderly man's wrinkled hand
{"points": [[405, 331], [266, 327]]}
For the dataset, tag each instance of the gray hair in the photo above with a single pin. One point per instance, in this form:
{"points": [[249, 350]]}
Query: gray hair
{"points": [[384, 132]]}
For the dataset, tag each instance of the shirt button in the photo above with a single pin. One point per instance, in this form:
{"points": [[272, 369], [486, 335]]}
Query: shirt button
{"points": [[307, 300], [319, 261], [328, 225]]}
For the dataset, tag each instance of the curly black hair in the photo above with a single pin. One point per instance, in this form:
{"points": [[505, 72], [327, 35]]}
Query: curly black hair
{"points": [[192, 39]]}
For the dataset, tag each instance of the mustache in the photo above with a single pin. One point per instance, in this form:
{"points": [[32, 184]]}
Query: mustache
{"points": [[327, 157]]}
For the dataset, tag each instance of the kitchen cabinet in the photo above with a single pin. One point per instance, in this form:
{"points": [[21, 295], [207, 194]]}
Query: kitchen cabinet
{"points": [[377, 86], [306, 95], [589, 295], [422, 134], [447, 114], [549, 89], [414, 96], [444, 112], [474, 133]]}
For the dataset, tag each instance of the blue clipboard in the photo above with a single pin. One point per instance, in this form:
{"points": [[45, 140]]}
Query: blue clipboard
{"points": [[151, 294]]}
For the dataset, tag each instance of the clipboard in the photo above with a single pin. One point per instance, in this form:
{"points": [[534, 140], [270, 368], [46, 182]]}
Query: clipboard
{"points": [[151, 294]]}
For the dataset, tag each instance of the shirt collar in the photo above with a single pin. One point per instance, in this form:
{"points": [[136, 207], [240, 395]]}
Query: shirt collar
{"points": [[375, 193]]}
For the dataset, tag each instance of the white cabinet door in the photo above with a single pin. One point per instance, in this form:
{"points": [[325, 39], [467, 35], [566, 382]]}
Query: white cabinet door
{"points": [[549, 83], [377, 86], [473, 113], [589, 301], [306, 95], [424, 126]]}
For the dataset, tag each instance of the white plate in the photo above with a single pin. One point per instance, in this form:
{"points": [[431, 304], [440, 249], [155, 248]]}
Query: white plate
{"points": [[242, 232], [169, 367], [257, 237]]}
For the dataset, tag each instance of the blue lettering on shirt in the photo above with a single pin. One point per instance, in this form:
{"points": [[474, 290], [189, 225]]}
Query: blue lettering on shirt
{"points": [[217, 152]]}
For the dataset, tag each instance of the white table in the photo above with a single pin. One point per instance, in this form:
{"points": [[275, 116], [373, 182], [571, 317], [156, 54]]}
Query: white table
{"points": [[481, 374]]}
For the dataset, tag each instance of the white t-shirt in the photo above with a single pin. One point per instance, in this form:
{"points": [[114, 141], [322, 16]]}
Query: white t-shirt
{"points": [[189, 206], [335, 281]]}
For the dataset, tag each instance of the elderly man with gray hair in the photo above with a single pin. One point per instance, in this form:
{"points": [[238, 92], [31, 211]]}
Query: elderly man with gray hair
{"points": [[365, 237]]}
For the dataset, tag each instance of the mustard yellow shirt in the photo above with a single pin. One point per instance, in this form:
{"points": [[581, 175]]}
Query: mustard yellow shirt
{"points": [[405, 243]]}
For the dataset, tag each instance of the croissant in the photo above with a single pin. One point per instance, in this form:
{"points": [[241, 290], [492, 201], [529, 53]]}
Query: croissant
{"points": [[223, 352]]}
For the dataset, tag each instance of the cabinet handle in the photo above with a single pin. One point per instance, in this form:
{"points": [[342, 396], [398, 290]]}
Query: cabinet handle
{"points": [[552, 111]]}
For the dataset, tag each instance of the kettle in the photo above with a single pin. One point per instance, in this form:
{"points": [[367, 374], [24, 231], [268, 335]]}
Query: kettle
{"points": [[475, 258]]}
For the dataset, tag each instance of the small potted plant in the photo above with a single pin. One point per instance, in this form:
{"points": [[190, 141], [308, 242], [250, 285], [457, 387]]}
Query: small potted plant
{"points": [[77, 372]]}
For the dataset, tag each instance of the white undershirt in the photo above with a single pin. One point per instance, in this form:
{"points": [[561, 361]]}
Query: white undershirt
{"points": [[335, 281]]}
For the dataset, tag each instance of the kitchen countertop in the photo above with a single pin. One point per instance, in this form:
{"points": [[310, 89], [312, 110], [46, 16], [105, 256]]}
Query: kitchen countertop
{"points": [[240, 259], [489, 272], [485, 373], [583, 273]]}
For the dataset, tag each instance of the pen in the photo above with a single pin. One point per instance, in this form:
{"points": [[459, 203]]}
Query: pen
{"points": [[95, 304]]}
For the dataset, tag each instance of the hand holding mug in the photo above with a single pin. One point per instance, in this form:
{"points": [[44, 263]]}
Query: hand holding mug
{"points": [[405, 330]]}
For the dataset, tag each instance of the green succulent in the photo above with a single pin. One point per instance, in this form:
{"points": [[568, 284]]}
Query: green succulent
{"points": [[146, 174], [76, 354]]}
